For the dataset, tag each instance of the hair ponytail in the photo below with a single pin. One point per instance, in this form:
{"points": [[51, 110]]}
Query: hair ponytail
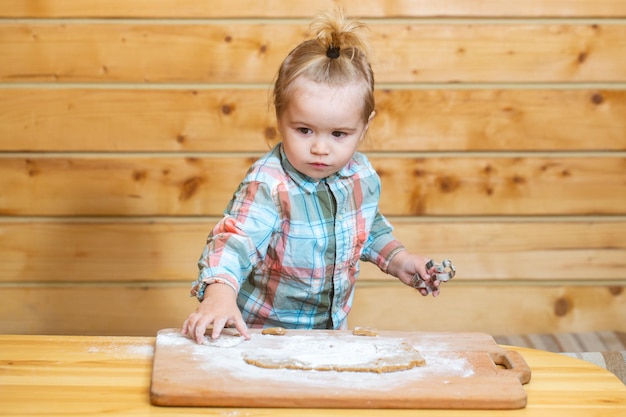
{"points": [[337, 55], [334, 31]]}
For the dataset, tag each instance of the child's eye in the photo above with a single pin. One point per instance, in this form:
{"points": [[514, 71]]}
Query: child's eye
{"points": [[304, 130], [338, 134]]}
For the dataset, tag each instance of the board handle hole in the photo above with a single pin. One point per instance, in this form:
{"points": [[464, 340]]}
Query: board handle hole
{"points": [[501, 361]]}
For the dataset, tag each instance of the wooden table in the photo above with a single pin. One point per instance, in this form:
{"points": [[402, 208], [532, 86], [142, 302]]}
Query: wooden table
{"points": [[110, 376]]}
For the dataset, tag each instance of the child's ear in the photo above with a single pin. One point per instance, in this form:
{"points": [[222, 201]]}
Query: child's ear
{"points": [[369, 119], [367, 125]]}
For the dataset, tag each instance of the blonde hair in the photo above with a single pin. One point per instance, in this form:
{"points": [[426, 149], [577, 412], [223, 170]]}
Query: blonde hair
{"points": [[338, 55]]}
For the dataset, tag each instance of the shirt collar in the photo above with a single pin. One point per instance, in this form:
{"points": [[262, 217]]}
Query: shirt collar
{"points": [[310, 184]]}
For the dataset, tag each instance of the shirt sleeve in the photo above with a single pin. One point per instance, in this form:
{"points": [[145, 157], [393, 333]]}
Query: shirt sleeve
{"points": [[240, 240], [381, 245]]}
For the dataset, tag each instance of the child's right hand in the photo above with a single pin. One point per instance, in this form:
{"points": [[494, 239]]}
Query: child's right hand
{"points": [[219, 308]]}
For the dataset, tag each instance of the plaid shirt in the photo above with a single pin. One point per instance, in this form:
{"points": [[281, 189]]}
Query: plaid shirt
{"points": [[290, 246]]}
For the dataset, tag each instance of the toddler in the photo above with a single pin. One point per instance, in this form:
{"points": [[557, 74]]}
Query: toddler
{"points": [[287, 251]]}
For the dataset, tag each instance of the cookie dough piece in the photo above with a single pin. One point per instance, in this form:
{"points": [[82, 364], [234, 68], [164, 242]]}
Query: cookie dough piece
{"points": [[365, 331], [275, 331]]}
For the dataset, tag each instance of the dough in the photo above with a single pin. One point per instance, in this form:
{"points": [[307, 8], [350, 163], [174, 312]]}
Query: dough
{"points": [[276, 331], [354, 354], [365, 331]]}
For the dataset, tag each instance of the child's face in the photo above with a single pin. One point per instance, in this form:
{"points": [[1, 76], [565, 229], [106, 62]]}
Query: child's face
{"points": [[322, 126]]}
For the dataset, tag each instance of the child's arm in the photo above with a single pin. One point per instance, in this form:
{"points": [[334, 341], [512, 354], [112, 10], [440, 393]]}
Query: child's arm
{"points": [[218, 307], [405, 265], [382, 246]]}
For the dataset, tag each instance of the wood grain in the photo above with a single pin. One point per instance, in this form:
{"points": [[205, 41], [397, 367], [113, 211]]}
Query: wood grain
{"points": [[138, 185], [289, 8], [128, 309], [166, 250], [235, 120], [111, 376], [251, 53]]}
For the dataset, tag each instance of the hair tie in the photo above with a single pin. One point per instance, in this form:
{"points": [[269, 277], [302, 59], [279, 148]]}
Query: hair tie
{"points": [[333, 52]]}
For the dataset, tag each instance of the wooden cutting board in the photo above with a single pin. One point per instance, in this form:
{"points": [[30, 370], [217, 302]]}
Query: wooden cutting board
{"points": [[461, 371]]}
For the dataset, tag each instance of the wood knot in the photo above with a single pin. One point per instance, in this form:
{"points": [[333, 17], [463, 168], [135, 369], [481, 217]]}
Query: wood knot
{"points": [[517, 179], [615, 290], [448, 184], [189, 188], [270, 133], [31, 168], [562, 306], [488, 170], [597, 99], [227, 109], [139, 175]]}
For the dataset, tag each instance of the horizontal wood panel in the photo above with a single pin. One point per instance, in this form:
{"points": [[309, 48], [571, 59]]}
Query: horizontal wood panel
{"points": [[495, 310], [131, 310], [233, 120], [94, 310], [138, 185], [167, 250], [299, 8], [502, 186], [250, 53], [135, 120]]}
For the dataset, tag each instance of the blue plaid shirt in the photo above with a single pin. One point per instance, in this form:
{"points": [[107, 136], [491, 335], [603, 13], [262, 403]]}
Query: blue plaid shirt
{"points": [[290, 246]]}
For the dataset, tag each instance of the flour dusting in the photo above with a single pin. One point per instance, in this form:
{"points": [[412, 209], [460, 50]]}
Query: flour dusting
{"points": [[224, 341], [121, 351], [318, 352], [349, 355], [212, 362]]}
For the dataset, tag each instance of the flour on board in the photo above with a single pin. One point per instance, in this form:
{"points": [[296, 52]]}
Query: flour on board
{"points": [[340, 354], [224, 341], [205, 362]]}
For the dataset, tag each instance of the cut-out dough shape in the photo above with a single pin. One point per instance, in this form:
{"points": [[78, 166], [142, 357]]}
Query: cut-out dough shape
{"points": [[343, 355], [229, 338]]}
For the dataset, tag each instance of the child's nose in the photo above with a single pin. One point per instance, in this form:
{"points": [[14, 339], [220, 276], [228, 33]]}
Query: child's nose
{"points": [[320, 147]]}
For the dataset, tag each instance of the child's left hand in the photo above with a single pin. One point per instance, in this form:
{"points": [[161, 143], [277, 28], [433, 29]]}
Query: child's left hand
{"points": [[405, 265]]}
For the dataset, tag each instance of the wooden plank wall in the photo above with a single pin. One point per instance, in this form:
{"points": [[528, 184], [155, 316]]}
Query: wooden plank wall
{"points": [[500, 139]]}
